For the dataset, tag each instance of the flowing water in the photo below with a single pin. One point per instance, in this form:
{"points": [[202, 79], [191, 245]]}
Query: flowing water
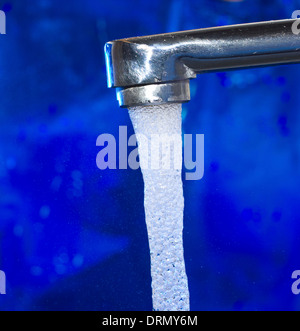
{"points": [[164, 202]]}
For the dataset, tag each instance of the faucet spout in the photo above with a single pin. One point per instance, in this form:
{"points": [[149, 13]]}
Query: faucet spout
{"points": [[156, 69]]}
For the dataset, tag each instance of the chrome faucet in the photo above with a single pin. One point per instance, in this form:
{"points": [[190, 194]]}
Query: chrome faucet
{"points": [[156, 69]]}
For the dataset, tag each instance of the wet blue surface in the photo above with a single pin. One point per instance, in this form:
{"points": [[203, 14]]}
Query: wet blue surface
{"points": [[73, 237]]}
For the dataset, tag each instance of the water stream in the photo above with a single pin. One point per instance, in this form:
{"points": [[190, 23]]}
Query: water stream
{"points": [[164, 201]]}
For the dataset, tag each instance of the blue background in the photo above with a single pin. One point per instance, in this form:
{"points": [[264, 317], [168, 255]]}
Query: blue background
{"points": [[73, 237]]}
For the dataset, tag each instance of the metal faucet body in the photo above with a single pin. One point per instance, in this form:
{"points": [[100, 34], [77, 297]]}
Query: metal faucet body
{"points": [[156, 69]]}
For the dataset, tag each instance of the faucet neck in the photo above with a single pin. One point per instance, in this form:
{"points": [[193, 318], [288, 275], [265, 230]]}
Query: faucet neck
{"points": [[157, 69]]}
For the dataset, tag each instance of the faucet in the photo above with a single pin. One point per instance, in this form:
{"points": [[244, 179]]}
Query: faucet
{"points": [[157, 69]]}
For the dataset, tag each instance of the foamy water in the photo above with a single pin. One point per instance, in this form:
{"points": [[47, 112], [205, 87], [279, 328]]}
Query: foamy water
{"points": [[164, 204]]}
